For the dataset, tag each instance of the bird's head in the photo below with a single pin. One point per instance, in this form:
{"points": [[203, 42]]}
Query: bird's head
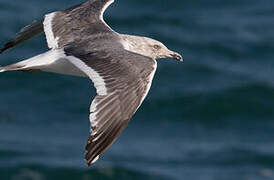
{"points": [[149, 47], [160, 51]]}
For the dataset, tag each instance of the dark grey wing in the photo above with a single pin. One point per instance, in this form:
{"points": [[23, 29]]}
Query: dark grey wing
{"points": [[122, 80], [63, 27], [71, 25], [26, 33]]}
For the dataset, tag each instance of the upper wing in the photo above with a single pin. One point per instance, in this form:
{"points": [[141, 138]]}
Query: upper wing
{"points": [[26, 33], [63, 27], [122, 80]]}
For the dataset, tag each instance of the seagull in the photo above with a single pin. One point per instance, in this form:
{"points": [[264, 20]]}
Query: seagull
{"points": [[120, 66]]}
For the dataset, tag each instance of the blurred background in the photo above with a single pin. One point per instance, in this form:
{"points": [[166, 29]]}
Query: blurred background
{"points": [[209, 118]]}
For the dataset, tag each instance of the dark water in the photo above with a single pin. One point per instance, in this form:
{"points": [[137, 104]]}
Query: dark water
{"points": [[209, 118]]}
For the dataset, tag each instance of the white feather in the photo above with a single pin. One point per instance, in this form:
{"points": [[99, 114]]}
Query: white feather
{"points": [[92, 74], [51, 40], [95, 159], [103, 10]]}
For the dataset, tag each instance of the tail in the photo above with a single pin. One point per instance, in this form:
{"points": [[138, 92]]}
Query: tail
{"points": [[30, 65], [25, 34], [13, 67], [51, 61], [18, 68]]}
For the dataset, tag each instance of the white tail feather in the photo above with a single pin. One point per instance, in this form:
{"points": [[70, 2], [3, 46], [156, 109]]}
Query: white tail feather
{"points": [[52, 61]]}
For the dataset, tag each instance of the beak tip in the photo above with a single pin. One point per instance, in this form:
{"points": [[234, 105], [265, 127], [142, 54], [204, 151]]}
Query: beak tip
{"points": [[177, 57], [181, 59]]}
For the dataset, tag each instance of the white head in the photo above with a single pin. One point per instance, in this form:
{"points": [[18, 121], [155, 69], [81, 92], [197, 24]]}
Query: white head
{"points": [[149, 47]]}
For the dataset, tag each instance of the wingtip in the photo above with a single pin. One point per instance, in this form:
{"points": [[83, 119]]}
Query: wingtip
{"points": [[91, 161], [7, 46]]}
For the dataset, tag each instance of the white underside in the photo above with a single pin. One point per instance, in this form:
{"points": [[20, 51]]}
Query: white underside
{"points": [[54, 61]]}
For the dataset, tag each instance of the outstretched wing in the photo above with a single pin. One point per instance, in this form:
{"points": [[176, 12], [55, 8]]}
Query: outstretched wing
{"points": [[26, 33], [63, 27], [122, 80]]}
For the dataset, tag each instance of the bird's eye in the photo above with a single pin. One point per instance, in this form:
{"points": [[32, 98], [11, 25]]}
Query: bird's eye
{"points": [[157, 47]]}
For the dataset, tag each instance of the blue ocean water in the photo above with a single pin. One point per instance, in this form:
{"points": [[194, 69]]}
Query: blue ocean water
{"points": [[209, 118]]}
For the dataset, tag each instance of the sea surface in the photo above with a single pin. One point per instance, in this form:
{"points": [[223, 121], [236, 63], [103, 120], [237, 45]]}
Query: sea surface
{"points": [[209, 118]]}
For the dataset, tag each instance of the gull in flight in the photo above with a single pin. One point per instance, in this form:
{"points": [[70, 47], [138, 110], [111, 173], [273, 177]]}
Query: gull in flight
{"points": [[120, 66]]}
